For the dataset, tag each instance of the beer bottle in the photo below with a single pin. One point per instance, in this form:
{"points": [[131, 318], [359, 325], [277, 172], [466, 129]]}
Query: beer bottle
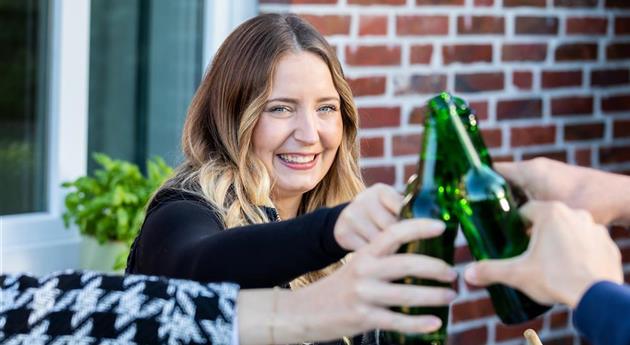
{"points": [[484, 206], [425, 197]]}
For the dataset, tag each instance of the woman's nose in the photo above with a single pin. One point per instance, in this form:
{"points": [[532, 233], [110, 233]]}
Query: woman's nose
{"points": [[306, 130]]}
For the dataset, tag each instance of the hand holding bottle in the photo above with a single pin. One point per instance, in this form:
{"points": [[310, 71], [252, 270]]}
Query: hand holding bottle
{"points": [[567, 253], [371, 212], [355, 297], [605, 195]]}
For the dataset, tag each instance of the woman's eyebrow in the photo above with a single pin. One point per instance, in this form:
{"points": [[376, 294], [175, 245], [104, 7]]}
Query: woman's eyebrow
{"points": [[295, 101]]}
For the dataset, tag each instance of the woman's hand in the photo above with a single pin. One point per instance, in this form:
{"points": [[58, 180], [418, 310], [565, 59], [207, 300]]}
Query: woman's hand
{"points": [[356, 297], [604, 195], [371, 212], [567, 253]]}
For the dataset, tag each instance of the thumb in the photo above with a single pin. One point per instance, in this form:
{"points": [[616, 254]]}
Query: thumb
{"points": [[511, 171], [487, 272]]}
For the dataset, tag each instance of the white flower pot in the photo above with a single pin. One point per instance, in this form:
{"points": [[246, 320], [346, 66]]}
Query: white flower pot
{"points": [[100, 257]]}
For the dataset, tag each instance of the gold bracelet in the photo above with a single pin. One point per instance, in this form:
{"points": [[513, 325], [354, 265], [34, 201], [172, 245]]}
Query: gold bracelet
{"points": [[274, 309]]}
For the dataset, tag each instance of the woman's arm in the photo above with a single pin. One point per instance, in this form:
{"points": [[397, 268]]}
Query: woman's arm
{"points": [[184, 239]]}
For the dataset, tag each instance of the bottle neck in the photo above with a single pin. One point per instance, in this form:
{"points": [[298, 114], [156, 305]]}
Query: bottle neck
{"points": [[426, 168], [462, 135]]}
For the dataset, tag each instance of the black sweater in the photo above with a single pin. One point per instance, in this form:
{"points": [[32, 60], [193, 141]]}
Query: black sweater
{"points": [[182, 237]]}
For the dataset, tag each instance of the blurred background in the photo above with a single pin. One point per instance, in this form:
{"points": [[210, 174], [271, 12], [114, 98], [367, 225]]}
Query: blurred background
{"points": [[547, 78]]}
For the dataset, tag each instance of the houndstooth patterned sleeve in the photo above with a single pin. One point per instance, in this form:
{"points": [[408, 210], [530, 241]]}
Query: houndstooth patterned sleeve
{"points": [[94, 308]]}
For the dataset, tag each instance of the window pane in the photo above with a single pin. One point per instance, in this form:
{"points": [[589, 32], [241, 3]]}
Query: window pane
{"points": [[23, 88], [145, 64]]}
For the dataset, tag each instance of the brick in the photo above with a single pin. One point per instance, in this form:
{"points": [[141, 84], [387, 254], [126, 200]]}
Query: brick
{"points": [[476, 25], [466, 53], [383, 174], [478, 82], [575, 3], [297, 2], [376, 117], [505, 332], [522, 79], [558, 155], [482, 3], [419, 84], [527, 108], [618, 51], [614, 154], [473, 336], [558, 79], [421, 25], [372, 147], [492, 137], [587, 26], [471, 310], [503, 158], [618, 232], [410, 169], [559, 320], [524, 3], [529, 25], [584, 131], [616, 103], [573, 105], [479, 108], [533, 135], [617, 4], [576, 51], [376, 2], [462, 255], [373, 25], [610, 77], [421, 54], [329, 24], [622, 25], [524, 52], [367, 86], [408, 144], [621, 129], [417, 115], [379, 55], [440, 2], [583, 157]]}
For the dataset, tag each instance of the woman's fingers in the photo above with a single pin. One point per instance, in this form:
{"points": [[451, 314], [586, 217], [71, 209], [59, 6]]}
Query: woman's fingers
{"points": [[390, 198], [382, 293], [388, 320], [409, 265], [407, 230], [382, 217]]}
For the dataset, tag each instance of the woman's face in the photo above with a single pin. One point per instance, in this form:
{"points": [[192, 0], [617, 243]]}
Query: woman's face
{"points": [[300, 129]]}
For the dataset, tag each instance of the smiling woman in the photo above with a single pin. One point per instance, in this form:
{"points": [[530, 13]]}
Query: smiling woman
{"points": [[271, 158]]}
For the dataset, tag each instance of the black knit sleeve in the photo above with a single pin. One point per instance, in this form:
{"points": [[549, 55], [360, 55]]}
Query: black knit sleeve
{"points": [[184, 239]]}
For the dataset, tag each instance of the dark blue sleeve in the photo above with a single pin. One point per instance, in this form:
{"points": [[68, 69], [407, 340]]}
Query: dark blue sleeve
{"points": [[603, 314]]}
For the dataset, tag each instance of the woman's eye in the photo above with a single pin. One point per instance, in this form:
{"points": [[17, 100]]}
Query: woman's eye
{"points": [[328, 108], [278, 109]]}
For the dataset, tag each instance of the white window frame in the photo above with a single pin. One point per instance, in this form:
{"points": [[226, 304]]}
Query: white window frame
{"points": [[38, 242]]}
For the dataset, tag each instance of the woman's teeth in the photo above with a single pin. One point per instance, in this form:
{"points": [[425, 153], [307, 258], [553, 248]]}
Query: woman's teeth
{"points": [[296, 158]]}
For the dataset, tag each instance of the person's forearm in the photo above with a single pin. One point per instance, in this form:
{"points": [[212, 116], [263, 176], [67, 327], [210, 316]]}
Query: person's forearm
{"points": [[266, 316]]}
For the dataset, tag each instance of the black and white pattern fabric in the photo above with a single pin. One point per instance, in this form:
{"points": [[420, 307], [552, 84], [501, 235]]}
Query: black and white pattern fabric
{"points": [[95, 308]]}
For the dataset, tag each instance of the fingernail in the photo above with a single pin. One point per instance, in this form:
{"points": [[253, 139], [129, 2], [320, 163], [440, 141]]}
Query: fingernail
{"points": [[451, 295], [470, 274], [436, 225], [435, 322]]}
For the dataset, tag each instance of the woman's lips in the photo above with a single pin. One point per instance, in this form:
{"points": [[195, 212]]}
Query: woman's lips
{"points": [[296, 161]]}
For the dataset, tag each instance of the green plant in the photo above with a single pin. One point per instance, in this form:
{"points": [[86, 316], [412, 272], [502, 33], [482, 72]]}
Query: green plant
{"points": [[110, 205]]}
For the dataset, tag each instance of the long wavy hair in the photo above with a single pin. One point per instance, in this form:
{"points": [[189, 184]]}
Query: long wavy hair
{"points": [[220, 164]]}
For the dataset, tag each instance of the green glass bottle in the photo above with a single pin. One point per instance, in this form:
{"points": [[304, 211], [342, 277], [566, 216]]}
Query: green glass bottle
{"points": [[425, 197], [484, 206]]}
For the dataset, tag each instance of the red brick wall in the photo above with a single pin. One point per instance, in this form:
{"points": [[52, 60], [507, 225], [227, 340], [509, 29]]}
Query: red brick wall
{"points": [[547, 77]]}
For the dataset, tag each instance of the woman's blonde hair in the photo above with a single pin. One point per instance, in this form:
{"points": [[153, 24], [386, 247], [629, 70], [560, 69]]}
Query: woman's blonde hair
{"points": [[220, 165]]}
